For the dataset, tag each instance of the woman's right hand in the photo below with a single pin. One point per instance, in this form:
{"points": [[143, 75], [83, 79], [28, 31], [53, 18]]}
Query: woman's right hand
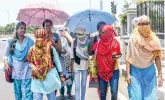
{"points": [[34, 69], [128, 79], [6, 65]]}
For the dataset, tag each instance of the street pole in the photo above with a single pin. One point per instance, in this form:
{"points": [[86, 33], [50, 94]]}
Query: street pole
{"points": [[101, 4], [90, 4], [8, 16]]}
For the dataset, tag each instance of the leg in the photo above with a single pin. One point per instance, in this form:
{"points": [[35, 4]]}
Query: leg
{"points": [[150, 91], [62, 90], [61, 93], [84, 74], [134, 89], [51, 96], [114, 85], [77, 84], [17, 89], [98, 91], [37, 96], [103, 88], [149, 87], [69, 87], [26, 90]]}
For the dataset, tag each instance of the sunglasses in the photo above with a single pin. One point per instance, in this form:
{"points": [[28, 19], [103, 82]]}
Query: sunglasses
{"points": [[144, 24], [79, 34]]}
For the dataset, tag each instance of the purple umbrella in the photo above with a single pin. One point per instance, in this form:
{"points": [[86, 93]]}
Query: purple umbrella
{"points": [[35, 14]]}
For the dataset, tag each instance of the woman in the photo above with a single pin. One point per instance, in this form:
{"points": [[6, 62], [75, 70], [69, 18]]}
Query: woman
{"points": [[66, 41], [44, 61], [108, 51], [79, 55], [54, 37], [15, 57], [143, 48], [94, 81]]}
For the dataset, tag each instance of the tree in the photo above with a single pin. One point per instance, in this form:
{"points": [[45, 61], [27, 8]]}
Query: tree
{"points": [[1, 29], [9, 28], [126, 5], [123, 17], [31, 29]]}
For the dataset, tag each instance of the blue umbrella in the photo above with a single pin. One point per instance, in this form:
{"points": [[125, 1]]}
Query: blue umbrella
{"points": [[89, 19]]}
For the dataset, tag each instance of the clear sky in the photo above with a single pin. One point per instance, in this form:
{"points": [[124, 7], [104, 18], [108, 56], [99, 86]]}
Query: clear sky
{"points": [[10, 8]]}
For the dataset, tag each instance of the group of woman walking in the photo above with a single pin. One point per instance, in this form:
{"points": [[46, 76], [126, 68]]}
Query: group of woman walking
{"points": [[56, 60]]}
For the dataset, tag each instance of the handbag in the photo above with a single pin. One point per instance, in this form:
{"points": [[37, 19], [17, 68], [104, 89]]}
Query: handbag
{"points": [[8, 75], [92, 64]]}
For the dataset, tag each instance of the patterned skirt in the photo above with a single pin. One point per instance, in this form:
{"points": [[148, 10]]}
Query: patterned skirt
{"points": [[66, 63]]}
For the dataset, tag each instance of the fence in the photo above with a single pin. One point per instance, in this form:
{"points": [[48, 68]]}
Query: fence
{"points": [[155, 10]]}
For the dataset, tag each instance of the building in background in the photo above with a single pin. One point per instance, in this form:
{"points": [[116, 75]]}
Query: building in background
{"points": [[155, 10]]}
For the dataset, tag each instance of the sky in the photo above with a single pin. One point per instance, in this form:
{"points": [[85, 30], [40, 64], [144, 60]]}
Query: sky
{"points": [[10, 8]]}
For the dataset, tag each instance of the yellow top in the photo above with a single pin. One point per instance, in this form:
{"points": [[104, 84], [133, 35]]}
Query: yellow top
{"points": [[117, 65]]}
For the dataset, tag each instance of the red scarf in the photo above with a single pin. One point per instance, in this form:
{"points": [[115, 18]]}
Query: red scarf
{"points": [[106, 47]]}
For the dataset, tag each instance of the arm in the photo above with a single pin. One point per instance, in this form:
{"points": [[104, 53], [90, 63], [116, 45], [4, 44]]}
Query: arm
{"points": [[158, 65], [127, 69], [128, 53], [68, 38], [159, 68]]}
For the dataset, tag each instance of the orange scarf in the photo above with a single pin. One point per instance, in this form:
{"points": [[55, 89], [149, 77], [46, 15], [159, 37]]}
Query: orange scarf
{"points": [[143, 48], [40, 55]]}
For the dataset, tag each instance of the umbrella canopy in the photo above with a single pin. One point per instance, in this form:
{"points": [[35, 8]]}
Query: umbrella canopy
{"points": [[89, 19], [35, 14]]}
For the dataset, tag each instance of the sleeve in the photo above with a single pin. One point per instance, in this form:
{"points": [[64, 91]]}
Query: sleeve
{"points": [[72, 52], [57, 37], [32, 42], [6, 53], [56, 60]]}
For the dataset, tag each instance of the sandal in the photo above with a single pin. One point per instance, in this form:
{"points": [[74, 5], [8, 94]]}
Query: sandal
{"points": [[62, 97], [70, 96]]}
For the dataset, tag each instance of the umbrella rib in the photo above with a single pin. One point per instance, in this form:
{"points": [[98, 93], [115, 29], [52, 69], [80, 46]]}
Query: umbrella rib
{"points": [[78, 24], [87, 16], [33, 15], [53, 13], [80, 21]]}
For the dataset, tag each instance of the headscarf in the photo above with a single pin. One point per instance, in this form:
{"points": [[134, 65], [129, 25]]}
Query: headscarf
{"points": [[82, 43], [40, 55], [143, 47], [21, 51], [107, 46]]}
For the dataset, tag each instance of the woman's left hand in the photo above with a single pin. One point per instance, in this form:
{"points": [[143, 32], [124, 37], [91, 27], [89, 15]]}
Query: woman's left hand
{"points": [[160, 81], [62, 79], [115, 56]]}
